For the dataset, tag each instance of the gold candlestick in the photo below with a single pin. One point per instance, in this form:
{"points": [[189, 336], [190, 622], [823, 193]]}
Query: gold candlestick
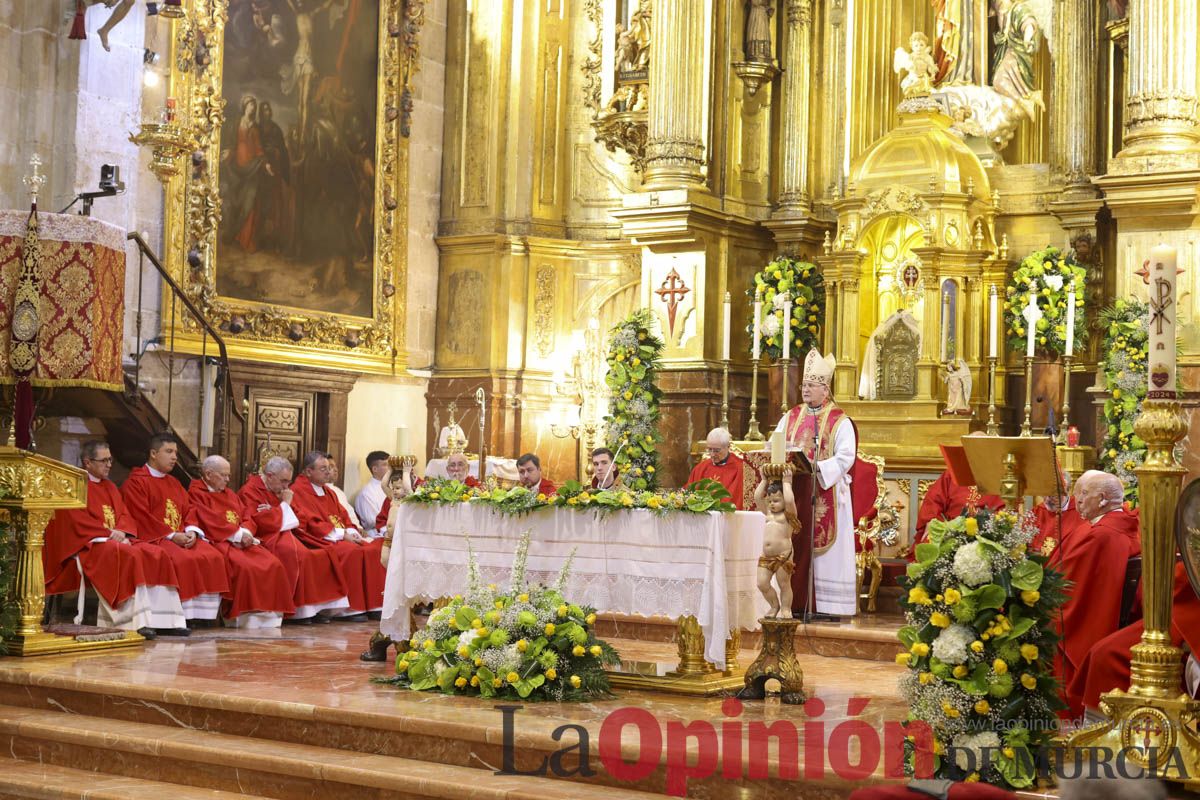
{"points": [[753, 434], [1066, 404], [992, 428], [1026, 426], [783, 405], [725, 396]]}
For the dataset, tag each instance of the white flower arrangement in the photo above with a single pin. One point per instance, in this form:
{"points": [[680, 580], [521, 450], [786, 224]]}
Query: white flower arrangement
{"points": [[967, 744], [971, 565], [950, 647]]}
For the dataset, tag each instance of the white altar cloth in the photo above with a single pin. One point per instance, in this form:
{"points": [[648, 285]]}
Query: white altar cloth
{"points": [[629, 562]]}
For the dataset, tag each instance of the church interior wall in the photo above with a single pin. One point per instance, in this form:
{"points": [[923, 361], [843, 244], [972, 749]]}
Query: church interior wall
{"points": [[376, 407]]}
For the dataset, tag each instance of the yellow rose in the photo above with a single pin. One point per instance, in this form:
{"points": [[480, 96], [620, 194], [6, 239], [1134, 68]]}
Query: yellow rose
{"points": [[460, 682], [477, 623], [972, 778], [949, 710], [541, 498], [939, 619], [590, 619], [578, 650], [918, 596], [402, 666], [961, 672], [972, 526], [1030, 598], [562, 610], [512, 677], [571, 501], [919, 649], [549, 628], [902, 659], [522, 645], [985, 635], [479, 662], [1009, 752], [999, 666], [1029, 652], [925, 678], [463, 652], [551, 674], [982, 707], [524, 598], [952, 596], [427, 644], [497, 683], [628, 395], [576, 681], [483, 631], [976, 646], [474, 680], [1028, 681], [636, 361], [650, 469], [594, 650]]}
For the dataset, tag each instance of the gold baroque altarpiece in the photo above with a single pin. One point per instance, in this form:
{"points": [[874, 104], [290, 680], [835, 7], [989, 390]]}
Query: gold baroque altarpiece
{"points": [[367, 335]]}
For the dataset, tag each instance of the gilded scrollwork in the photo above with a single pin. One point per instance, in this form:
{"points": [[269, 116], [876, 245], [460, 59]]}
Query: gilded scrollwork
{"points": [[194, 212]]}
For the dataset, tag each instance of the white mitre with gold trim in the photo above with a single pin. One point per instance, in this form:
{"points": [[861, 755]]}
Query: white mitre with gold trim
{"points": [[819, 369]]}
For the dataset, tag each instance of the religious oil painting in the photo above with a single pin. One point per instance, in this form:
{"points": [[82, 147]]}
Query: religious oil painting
{"points": [[297, 154]]}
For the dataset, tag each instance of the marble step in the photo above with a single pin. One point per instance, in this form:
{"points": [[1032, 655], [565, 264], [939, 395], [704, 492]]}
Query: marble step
{"points": [[273, 769], [30, 780]]}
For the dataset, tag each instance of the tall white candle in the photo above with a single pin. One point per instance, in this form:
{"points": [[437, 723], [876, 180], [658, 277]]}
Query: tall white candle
{"points": [[757, 320], [945, 325], [786, 330], [728, 306], [993, 321], [1031, 317], [1071, 318], [402, 441], [1160, 357], [777, 449]]}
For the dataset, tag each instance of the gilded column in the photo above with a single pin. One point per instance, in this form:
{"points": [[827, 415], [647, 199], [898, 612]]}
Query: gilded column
{"points": [[675, 125], [1073, 131], [794, 198], [1160, 112]]}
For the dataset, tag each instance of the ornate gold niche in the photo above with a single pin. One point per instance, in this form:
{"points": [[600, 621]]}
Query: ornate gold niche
{"points": [[917, 197], [263, 331]]}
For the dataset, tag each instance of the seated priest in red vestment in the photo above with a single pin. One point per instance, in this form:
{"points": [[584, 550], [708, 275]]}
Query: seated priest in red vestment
{"points": [[159, 506], [1106, 665], [326, 525], [1052, 532], [135, 582], [459, 469], [1094, 560], [721, 465], [604, 471], [946, 500], [259, 591], [347, 506], [529, 473], [314, 573]]}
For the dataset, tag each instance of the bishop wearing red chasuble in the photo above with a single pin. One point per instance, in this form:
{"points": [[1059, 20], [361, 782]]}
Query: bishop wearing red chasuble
{"points": [[313, 572], [159, 505], [1094, 560], [1106, 666], [825, 543], [1053, 533], [722, 466], [946, 500], [259, 592], [135, 582], [325, 525]]}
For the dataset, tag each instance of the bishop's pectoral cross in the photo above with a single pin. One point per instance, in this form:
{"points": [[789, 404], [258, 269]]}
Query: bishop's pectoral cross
{"points": [[672, 290]]}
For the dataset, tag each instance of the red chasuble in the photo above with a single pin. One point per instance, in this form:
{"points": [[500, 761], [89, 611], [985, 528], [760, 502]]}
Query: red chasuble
{"points": [[1094, 561], [159, 507], [728, 474], [113, 568], [1049, 539], [1106, 666], [546, 487], [257, 581], [946, 500], [313, 573], [319, 515]]}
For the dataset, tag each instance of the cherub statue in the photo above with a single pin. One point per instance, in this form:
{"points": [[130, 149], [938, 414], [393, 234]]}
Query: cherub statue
{"points": [[775, 500], [958, 387], [627, 49], [965, 123], [622, 100], [918, 63]]}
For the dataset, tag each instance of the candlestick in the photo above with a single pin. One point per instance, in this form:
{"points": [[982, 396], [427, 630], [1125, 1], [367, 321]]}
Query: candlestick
{"points": [[992, 428], [993, 322], [945, 325], [783, 405], [1070, 349], [777, 449], [1066, 404], [786, 329], [757, 321], [753, 434], [1160, 354], [402, 440], [1026, 426], [728, 306], [725, 393], [481, 399]]}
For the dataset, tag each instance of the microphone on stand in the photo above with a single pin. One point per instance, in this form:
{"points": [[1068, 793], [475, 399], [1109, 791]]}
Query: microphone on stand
{"points": [[1051, 428]]}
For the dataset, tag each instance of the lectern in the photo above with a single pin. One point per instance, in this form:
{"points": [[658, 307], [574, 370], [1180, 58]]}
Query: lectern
{"points": [[1012, 467]]}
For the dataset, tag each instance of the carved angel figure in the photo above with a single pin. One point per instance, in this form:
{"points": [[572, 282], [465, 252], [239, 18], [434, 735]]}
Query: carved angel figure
{"points": [[627, 50], [958, 388], [918, 63]]}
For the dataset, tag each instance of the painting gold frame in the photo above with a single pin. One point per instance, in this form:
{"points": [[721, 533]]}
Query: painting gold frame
{"points": [[264, 331]]}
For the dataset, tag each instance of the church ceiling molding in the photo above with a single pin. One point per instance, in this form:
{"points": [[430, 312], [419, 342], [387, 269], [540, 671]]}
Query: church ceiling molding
{"points": [[272, 294]]}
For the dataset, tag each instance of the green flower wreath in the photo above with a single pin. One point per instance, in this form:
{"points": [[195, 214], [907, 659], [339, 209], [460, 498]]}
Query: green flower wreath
{"points": [[631, 427], [1051, 272], [806, 286], [1126, 337]]}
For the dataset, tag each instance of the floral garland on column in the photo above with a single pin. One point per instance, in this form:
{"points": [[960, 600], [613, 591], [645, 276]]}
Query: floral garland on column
{"points": [[1048, 271], [631, 427], [979, 644], [1126, 335], [805, 284]]}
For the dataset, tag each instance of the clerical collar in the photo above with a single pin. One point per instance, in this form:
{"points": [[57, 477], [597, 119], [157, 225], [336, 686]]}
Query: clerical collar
{"points": [[208, 486], [319, 489], [155, 472], [723, 461], [92, 478]]}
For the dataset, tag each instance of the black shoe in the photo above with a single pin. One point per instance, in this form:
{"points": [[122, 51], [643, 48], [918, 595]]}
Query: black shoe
{"points": [[305, 621], [353, 618], [147, 633], [375, 616], [377, 648], [817, 616], [321, 619], [173, 631]]}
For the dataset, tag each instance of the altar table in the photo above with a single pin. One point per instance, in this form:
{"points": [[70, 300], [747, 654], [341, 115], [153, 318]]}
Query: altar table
{"points": [[626, 562]]}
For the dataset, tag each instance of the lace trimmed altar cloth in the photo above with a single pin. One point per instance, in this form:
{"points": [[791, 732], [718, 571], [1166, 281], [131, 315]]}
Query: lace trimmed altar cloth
{"points": [[629, 562]]}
